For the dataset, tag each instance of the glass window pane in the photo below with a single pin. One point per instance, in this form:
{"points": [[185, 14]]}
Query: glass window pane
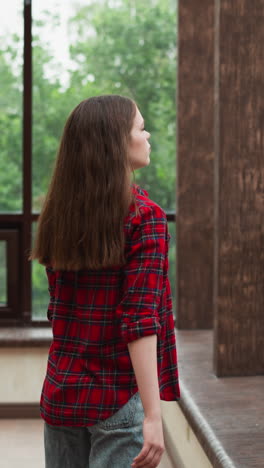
{"points": [[55, 93], [88, 48], [3, 274], [11, 59], [40, 293]]}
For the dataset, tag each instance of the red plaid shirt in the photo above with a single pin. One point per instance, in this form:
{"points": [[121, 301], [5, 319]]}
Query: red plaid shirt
{"points": [[95, 313]]}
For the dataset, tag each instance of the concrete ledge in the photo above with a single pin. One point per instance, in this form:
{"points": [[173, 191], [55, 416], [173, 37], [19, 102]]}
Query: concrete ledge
{"points": [[224, 413], [182, 445], [209, 442], [25, 336]]}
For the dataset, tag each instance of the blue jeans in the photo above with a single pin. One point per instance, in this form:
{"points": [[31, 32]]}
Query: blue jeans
{"points": [[111, 443]]}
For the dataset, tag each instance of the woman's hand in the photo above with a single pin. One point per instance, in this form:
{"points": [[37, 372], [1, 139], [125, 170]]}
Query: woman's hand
{"points": [[153, 446]]}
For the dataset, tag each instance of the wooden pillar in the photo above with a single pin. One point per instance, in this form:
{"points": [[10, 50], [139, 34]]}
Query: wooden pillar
{"points": [[195, 164], [239, 188]]}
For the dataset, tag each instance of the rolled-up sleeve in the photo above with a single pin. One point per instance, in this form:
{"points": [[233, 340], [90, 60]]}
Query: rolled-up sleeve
{"points": [[144, 276]]}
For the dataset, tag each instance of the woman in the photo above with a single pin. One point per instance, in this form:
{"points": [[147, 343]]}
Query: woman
{"points": [[105, 247]]}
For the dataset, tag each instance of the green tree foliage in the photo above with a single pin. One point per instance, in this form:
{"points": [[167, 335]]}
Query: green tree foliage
{"points": [[51, 105], [119, 46], [10, 128], [131, 49]]}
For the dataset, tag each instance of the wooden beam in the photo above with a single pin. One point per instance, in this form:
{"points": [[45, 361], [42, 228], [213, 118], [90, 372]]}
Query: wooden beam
{"points": [[239, 188], [195, 165]]}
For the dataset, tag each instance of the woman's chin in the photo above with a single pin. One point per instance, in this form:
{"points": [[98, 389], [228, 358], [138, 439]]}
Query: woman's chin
{"points": [[141, 165]]}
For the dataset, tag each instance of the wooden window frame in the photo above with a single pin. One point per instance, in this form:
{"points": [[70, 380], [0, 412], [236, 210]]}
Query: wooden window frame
{"points": [[18, 226], [22, 222], [11, 237]]}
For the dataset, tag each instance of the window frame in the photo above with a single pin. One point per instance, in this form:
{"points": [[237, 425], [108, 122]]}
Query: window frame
{"points": [[11, 237], [17, 227], [20, 313]]}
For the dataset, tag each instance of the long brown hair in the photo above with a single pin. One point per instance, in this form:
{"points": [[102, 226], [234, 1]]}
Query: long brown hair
{"points": [[81, 224]]}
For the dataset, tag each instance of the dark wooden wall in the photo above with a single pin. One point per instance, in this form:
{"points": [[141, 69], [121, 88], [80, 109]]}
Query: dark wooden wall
{"points": [[195, 164], [220, 187], [239, 170]]}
